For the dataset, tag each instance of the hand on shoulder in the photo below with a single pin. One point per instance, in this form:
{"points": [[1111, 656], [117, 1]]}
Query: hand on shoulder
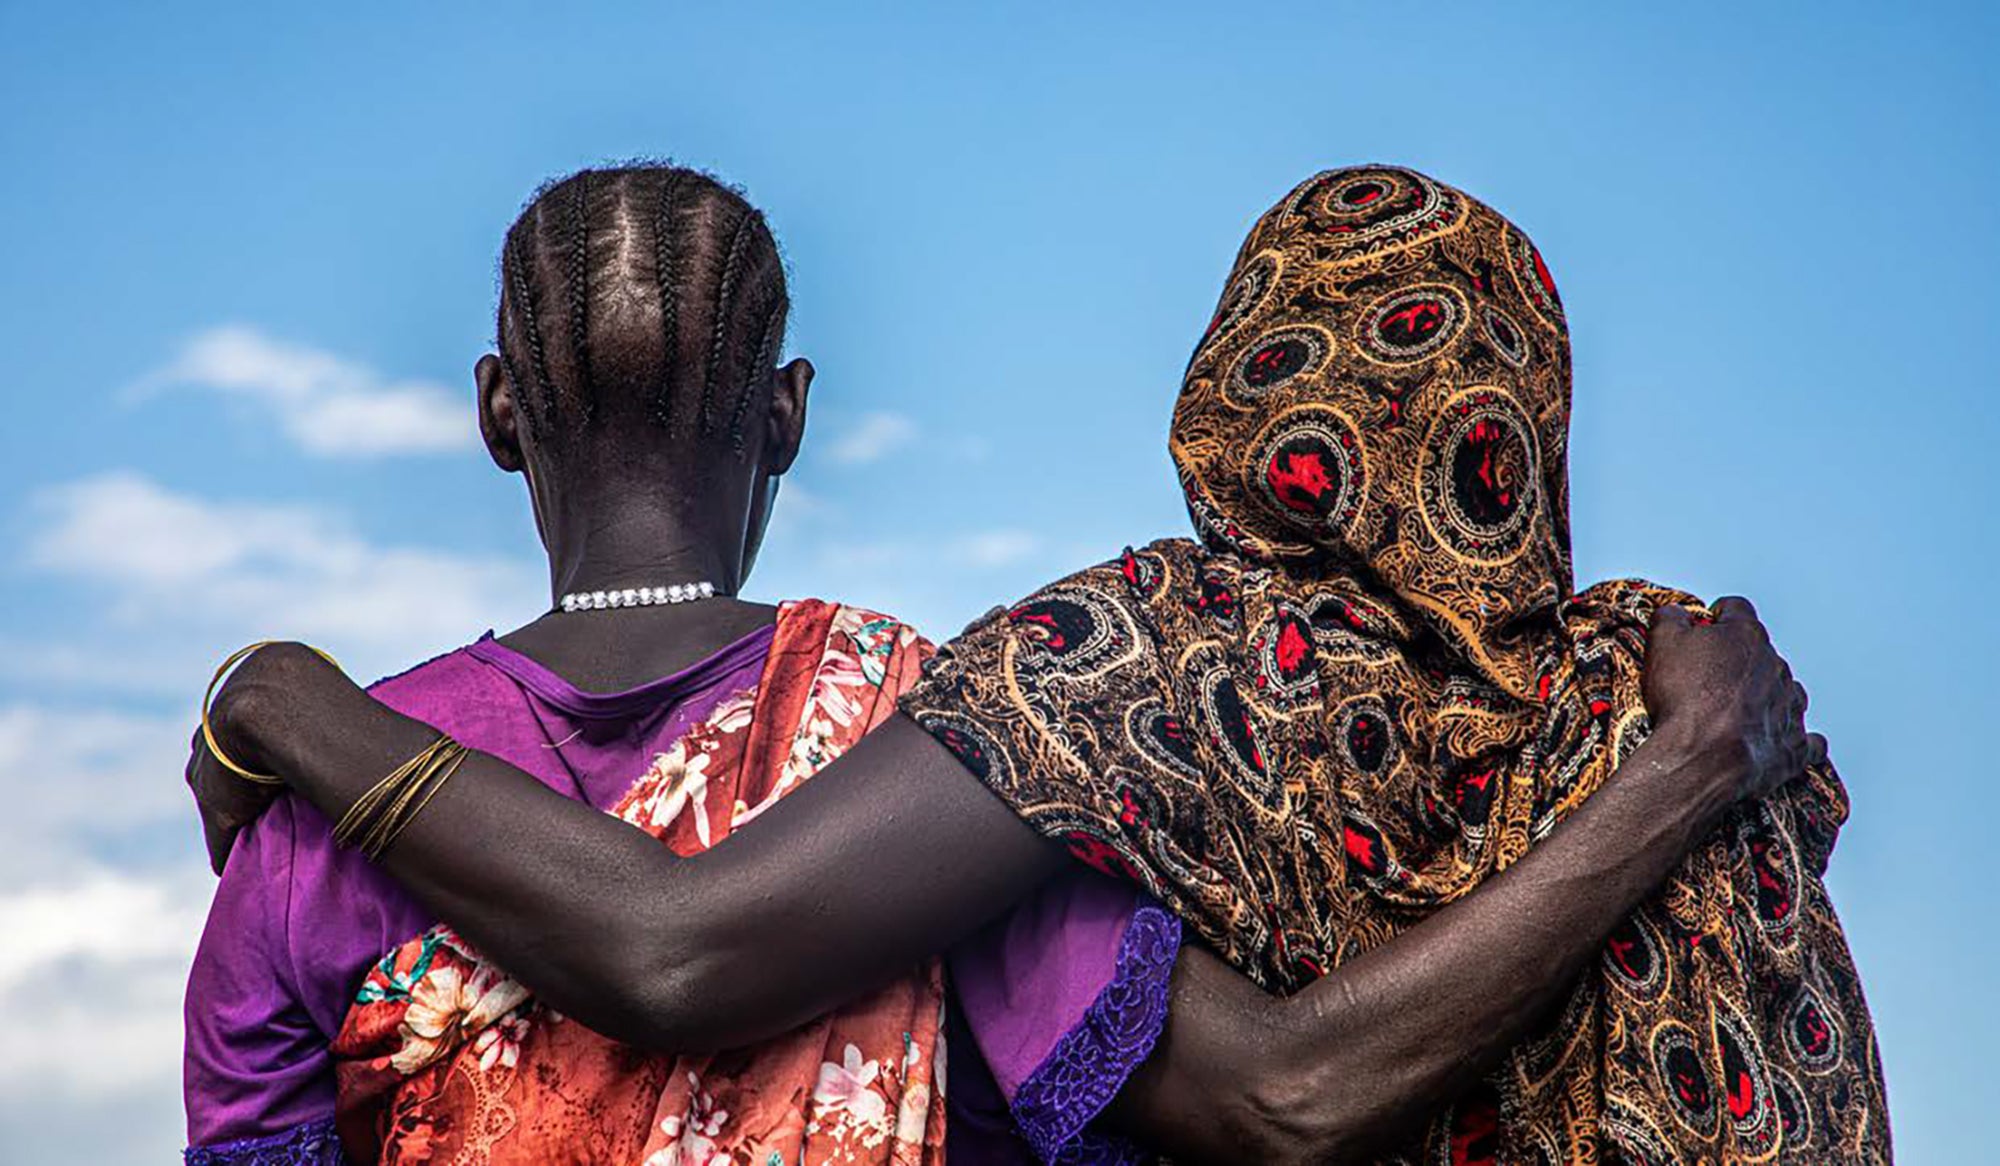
{"points": [[1718, 688], [250, 716]]}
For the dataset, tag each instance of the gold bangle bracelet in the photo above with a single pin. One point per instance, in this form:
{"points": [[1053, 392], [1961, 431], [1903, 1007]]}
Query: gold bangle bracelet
{"points": [[406, 808], [357, 820], [207, 698], [379, 816]]}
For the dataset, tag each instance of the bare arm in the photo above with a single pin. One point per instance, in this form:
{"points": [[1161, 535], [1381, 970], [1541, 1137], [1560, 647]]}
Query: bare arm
{"points": [[883, 859], [894, 851]]}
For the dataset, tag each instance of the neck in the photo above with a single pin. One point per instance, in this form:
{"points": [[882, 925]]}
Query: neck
{"points": [[600, 543]]}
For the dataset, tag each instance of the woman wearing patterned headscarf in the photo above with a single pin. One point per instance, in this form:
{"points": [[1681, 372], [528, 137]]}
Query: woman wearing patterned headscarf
{"points": [[1360, 739], [1369, 689]]}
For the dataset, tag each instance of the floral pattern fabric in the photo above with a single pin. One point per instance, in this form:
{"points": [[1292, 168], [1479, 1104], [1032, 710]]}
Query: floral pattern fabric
{"points": [[446, 1059], [1368, 688]]}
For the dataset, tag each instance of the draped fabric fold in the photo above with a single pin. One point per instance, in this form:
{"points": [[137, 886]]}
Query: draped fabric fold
{"points": [[1369, 687]]}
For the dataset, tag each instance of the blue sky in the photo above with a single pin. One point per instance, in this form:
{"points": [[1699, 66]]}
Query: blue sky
{"points": [[1772, 228]]}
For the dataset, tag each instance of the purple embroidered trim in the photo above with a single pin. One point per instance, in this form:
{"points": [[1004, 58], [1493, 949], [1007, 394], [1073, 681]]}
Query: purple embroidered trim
{"points": [[312, 1143], [1092, 1061], [1091, 1148]]}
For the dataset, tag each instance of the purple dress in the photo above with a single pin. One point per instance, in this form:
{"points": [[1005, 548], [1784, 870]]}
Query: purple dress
{"points": [[1062, 999]]}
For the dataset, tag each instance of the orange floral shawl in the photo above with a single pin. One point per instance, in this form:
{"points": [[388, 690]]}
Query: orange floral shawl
{"points": [[445, 1059]]}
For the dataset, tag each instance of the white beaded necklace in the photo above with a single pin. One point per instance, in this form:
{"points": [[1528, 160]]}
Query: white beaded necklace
{"points": [[638, 596]]}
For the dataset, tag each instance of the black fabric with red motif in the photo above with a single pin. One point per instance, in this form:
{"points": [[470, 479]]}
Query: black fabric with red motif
{"points": [[1363, 692]]}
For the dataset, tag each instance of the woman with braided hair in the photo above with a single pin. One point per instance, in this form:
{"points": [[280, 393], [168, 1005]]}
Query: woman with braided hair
{"points": [[1359, 742], [640, 316]]}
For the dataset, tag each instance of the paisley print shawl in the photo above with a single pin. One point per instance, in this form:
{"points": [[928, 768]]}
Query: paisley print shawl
{"points": [[445, 1059], [1367, 688]]}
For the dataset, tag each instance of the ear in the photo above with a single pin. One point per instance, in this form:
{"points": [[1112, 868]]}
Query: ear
{"points": [[499, 415], [787, 418]]}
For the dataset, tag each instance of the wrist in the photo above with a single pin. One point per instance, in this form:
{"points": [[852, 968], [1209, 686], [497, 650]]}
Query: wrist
{"points": [[1705, 768]]}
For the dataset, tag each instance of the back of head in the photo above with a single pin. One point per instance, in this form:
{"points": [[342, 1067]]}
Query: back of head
{"points": [[641, 309]]}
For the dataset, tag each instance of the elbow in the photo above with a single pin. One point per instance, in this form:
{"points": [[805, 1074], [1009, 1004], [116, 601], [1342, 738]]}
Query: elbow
{"points": [[1295, 1120], [1281, 1107], [695, 989], [641, 984], [1321, 1096], [1312, 1122], [665, 999]]}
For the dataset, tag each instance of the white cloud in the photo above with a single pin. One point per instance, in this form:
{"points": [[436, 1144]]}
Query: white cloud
{"points": [[76, 772], [96, 950], [91, 980], [126, 530], [222, 569], [101, 915], [873, 438], [328, 405]]}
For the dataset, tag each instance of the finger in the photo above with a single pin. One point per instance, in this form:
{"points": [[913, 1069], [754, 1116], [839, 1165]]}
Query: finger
{"points": [[224, 810], [1734, 607], [1801, 697], [219, 840], [196, 747], [214, 835], [224, 797], [1671, 615], [1816, 750]]}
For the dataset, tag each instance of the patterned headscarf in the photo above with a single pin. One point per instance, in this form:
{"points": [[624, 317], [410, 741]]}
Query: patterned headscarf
{"points": [[1383, 301], [1368, 688]]}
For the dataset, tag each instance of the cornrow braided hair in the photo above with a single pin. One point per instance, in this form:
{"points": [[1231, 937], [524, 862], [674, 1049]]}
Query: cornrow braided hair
{"points": [[507, 364], [533, 405], [668, 285], [665, 230], [576, 281], [725, 295], [763, 356]]}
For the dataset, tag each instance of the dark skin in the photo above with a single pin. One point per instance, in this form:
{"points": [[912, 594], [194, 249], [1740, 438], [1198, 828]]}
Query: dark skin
{"points": [[750, 938]]}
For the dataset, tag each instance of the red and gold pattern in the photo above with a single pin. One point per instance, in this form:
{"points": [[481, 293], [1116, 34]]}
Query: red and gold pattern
{"points": [[1365, 692], [446, 1060]]}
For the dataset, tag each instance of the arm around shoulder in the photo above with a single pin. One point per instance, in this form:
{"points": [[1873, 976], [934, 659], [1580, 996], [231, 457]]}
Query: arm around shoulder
{"points": [[891, 853], [1356, 1059]]}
